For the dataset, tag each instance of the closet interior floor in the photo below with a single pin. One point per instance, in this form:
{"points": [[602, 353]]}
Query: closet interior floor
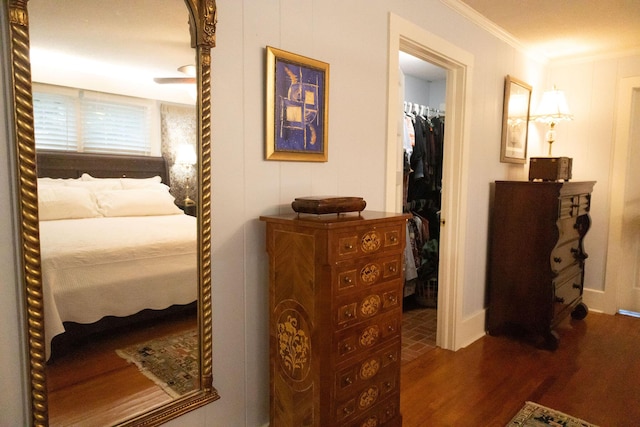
{"points": [[418, 331]]}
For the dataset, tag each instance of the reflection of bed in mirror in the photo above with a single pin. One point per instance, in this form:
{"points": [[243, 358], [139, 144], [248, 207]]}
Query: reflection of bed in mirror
{"points": [[115, 249]]}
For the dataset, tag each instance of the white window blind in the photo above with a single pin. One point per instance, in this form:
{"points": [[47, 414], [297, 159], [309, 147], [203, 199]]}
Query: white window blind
{"points": [[114, 127], [55, 121], [84, 121]]}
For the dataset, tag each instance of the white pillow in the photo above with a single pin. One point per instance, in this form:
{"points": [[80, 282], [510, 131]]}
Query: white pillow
{"points": [[55, 181], [131, 183], [137, 202], [97, 184], [62, 202]]}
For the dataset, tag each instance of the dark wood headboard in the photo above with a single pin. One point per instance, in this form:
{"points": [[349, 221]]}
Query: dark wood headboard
{"points": [[58, 164]]}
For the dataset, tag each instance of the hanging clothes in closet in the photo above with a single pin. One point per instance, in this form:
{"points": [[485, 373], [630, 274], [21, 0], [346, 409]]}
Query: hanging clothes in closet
{"points": [[423, 184]]}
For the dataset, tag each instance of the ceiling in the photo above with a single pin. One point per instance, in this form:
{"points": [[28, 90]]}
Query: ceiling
{"points": [[118, 50], [550, 29], [554, 29], [560, 29]]}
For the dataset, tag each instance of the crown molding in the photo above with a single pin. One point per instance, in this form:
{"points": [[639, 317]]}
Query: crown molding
{"points": [[570, 60], [492, 28]]}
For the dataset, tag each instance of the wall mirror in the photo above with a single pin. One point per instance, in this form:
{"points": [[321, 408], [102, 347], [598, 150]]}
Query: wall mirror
{"points": [[101, 358], [515, 121]]}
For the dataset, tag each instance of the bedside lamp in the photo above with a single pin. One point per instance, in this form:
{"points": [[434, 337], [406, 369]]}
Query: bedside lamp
{"points": [[186, 159], [552, 109]]}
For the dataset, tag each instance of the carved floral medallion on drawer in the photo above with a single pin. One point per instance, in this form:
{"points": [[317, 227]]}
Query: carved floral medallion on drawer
{"points": [[370, 273], [368, 397], [370, 305], [371, 242], [370, 422], [369, 336], [369, 368], [293, 344]]}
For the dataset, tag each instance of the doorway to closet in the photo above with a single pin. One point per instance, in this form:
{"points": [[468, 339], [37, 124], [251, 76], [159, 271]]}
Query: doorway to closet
{"points": [[454, 329], [423, 90]]}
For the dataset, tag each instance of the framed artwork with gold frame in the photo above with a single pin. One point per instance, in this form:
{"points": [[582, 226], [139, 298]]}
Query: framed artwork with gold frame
{"points": [[297, 107], [515, 121]]}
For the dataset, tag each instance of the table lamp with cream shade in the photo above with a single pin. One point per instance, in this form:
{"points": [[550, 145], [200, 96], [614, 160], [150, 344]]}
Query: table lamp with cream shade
{"points": [[186, 159], [553, 108]]}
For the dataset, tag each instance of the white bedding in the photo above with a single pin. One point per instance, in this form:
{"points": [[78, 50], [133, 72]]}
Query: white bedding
{"points": [[118, 266]]}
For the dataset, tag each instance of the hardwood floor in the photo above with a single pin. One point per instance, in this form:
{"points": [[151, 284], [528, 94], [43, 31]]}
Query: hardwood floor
{"points": [[93, 386], [594, 375]]}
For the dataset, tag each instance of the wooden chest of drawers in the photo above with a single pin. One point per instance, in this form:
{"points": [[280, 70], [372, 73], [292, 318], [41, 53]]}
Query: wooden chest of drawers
{"points": [[537, 256], [335, 304]]}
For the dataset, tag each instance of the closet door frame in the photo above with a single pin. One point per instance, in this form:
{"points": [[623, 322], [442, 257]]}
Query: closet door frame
{"points": [[453, 331]]}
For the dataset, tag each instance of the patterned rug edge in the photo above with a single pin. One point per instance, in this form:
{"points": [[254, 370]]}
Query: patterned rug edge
{"points": [[130, 354], [526, 417]]}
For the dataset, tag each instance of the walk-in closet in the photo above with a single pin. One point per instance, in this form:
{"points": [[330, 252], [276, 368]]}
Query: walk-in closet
{"points": [[422, 135]]}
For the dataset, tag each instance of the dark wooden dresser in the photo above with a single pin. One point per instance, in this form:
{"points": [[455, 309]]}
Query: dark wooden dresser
{"points": [[537, 257], [335, 304]]}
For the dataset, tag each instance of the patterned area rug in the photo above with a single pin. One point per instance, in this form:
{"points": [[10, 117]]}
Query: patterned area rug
{"points": [[171, 361], [533, 415]]}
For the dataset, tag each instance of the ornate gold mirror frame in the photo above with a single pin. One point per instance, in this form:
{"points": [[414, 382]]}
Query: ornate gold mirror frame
{"points": [[202, 15]]}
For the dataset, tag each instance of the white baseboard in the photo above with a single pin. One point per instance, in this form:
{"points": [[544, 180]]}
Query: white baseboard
{"points": [[595, 300], [470, 329]]}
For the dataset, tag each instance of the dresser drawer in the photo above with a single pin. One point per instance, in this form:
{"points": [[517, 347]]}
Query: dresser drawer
{"points": [[565, 255], [367, 368], [355, 308], [354, 275], [566, 292], [567, 230], [384, 414], [574, 205], [367, 397], [352, 341], [366, 241]]}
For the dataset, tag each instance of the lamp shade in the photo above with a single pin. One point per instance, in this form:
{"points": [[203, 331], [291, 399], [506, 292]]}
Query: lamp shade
{"points": [[186, 155], [553, 108]]}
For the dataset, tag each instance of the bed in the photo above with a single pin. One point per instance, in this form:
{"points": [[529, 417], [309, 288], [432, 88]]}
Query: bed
{"points": [[115, 249]]}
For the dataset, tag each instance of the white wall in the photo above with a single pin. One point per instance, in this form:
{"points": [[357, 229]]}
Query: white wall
{"points": [[352, 37], [591, 87]]}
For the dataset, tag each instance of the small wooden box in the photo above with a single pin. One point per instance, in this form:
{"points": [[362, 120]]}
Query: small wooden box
{"points": [[328, 204], [550, 168]]}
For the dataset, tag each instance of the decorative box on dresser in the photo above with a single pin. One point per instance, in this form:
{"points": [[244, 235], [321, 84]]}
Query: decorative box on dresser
{"points": [[537, 257], [335, 304]]}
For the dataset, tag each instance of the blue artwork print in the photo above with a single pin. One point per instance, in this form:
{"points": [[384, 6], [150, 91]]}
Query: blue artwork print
{"points": [[299, 108]]}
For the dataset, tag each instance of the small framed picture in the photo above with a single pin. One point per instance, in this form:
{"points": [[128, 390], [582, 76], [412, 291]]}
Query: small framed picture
{"points": [[515, 121], [297, 107]]}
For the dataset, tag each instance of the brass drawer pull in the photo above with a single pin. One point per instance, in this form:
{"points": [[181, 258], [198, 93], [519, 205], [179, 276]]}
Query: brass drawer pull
{"points": [[392, 268], [347, 279]]}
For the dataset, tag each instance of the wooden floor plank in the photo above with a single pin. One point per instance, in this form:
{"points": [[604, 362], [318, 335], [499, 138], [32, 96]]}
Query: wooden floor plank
{"points": [[93, 386], [594, 375]]}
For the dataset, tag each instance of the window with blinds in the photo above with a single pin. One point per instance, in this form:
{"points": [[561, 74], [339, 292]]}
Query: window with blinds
{"points": [[91, 122]]}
